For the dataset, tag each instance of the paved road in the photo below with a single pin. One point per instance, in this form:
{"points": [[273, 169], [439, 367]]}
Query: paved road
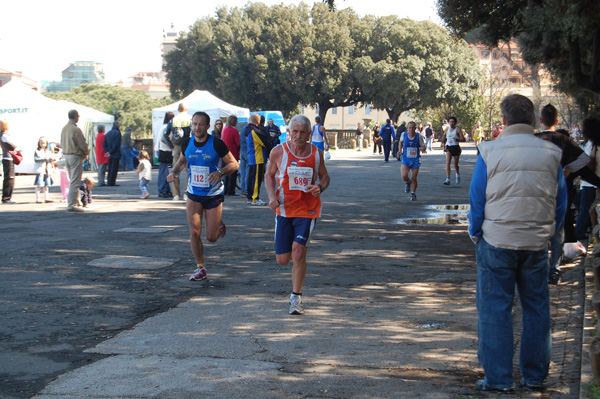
{"points": [[96, 308]]}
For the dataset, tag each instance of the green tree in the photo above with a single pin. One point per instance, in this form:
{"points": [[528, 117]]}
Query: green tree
{"points": [[467, 112], [415, 65], [133, 107], [251, 56], [562, 35], [270, 57], [329, 78]]}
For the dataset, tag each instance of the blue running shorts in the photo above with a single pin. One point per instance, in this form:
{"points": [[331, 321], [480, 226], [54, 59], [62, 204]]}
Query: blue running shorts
{"points": [[414, 163], [290, 230], [320, 145]]}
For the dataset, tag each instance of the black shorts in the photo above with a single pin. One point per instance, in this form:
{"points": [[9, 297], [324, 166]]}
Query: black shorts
{"points": [[454, 150], [207, 202]]}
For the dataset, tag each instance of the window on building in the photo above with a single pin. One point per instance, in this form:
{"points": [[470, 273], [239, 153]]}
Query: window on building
{"points": [[351, 110], [367, 110], [334, 111]]}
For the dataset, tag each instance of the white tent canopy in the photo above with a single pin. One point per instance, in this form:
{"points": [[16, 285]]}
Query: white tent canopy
{"points": [[198, 100], [31, 115]]}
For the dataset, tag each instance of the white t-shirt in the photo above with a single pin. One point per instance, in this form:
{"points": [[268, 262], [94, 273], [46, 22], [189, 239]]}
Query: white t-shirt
{"points": [[451, 137], [588, 150], [146, 170]]}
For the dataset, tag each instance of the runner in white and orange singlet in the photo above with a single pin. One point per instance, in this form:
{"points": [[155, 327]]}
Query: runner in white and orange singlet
{"points": [[295, 179]]}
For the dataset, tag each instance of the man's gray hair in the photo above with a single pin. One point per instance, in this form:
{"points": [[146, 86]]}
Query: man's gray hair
{"points": [[116, 124], [517, 109], [254, 119], [101, 128], [301, 120]]}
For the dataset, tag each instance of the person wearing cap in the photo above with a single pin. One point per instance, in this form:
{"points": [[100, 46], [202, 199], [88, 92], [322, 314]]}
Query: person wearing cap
{"points": [[75, 150], [126, 144]]}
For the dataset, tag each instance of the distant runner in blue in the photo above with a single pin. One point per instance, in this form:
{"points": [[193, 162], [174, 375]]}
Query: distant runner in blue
{"points": [[318, 136], [387, 134], [412, 144]]}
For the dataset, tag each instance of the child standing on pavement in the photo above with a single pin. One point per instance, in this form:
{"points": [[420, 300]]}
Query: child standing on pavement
{"points": [[144, 171]]}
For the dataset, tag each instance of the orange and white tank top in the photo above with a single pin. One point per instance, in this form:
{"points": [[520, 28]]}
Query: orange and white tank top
{"points": [[295, 174]]}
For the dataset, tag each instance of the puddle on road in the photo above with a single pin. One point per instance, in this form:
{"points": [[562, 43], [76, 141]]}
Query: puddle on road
{"points": [[441, 214]]}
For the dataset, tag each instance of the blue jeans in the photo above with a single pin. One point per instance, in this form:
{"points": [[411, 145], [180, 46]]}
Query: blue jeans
{"points": [[428, 143], [126, 158], [556, 247], [163, 187], [243, 172], [144, 185], [584, 221], [498, 270]]}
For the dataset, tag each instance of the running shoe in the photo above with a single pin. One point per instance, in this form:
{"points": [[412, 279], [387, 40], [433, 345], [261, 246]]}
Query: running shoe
{"points": [[199, 275], [407, 187], [259, 203], [554, 276], [457, 178], [176, 198], [413, 196], [296, 304], [145, 196], [481, 385], [447, 181], [222, 230]]}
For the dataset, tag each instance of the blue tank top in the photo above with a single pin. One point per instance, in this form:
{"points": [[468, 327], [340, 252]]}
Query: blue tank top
{"points": [[317, 136], [201, 162], [410, 148]]}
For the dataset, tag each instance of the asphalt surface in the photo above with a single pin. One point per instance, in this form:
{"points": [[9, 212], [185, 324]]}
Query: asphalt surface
{"points": [[98, 305]]}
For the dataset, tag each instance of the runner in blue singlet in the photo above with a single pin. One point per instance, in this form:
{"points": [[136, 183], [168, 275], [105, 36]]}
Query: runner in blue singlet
{"points": [[411, 146], [201, 154]]}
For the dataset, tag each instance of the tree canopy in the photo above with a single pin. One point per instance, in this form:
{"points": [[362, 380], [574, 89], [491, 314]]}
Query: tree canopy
{"points": [[280, 57], [133, 107], [416, 65], [563, 35]]}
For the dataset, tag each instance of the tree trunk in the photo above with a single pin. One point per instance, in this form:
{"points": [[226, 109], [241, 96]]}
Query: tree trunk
{"points": [[393, 114], [323, 108]]}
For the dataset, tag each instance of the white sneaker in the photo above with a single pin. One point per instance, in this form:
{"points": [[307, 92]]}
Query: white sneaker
{"points": [[184, 197], [176, 198], [258, 203], [296, 304], [146, 195], [457, 179]]}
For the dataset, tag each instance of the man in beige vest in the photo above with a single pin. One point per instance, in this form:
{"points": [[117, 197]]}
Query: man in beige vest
{"points": [[518, 196]]}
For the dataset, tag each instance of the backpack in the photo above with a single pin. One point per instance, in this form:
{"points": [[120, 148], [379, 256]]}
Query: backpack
{"points": [[177, 135]]}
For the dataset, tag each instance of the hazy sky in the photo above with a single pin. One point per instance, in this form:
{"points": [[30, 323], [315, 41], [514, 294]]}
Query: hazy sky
{"points": [[40, 38]]}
